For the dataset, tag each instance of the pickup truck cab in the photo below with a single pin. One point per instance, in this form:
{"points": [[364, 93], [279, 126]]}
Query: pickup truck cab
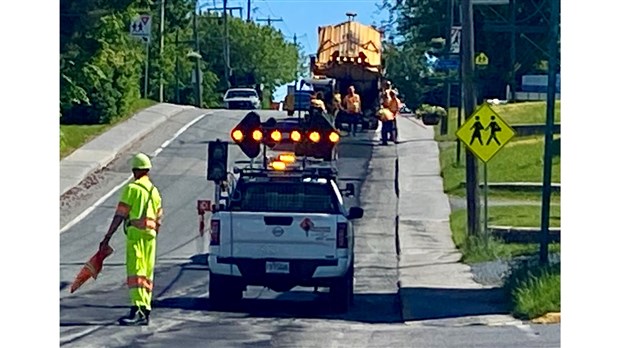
{"points": [[281, 230]]}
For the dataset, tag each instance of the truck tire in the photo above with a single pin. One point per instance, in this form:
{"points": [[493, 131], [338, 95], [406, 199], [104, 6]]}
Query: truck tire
{"points": [[374, 124], [223, 290], [341, 292]]}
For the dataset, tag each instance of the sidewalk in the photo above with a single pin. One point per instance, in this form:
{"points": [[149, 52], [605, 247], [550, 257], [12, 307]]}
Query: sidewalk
{"points": [[102, 150], [433, 284]]}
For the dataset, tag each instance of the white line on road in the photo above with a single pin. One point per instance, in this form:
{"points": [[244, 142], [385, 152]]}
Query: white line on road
{"points": [[118, 187]]}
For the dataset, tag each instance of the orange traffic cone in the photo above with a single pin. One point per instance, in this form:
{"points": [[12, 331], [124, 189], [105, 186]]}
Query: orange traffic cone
{"points": [[91, 268]]}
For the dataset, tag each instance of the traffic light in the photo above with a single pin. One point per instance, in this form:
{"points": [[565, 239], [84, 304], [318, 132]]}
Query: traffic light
{"points": [[248, 134], [217, 165]]}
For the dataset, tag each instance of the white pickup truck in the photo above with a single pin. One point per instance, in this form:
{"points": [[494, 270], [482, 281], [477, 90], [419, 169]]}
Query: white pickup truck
{"points": [[281, 230]]}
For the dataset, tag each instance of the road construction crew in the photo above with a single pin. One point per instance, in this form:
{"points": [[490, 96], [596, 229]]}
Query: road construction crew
{"points": [[385, 94], [141, 212], [316, 101], [393, 105], [387, 124], [352, 104]]}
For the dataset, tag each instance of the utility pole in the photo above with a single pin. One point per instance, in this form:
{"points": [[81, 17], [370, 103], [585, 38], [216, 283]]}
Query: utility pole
{"points": [[162, 11], [269, 20], [471, 163], [249, 5], [226, 46], [513, 50], [447, 49], [552, 67], [295, 39], [197, 86]]}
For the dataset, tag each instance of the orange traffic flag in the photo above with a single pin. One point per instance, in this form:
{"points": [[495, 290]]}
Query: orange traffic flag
{"points": [[92, 267]]}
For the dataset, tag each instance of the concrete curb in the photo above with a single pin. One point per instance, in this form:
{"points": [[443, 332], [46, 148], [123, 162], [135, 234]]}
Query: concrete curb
{"points": [[103, 149]]}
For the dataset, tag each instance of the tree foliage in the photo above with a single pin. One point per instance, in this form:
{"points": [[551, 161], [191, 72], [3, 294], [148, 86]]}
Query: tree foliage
{"points": [[421, 26], [102, 68]]}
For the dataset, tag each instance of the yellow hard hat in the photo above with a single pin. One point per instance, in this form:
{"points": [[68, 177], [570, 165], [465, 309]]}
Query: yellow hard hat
{"points": [[141, 161]]}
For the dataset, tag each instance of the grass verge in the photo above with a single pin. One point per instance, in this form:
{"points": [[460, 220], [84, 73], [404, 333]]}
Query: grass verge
{"points": [[480, 249], [73, 137], [514, 113], [519, 161], [534, 290]]}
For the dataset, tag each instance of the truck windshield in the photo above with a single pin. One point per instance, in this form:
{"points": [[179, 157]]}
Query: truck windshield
{"points": [[241, 94], [298, 197]]}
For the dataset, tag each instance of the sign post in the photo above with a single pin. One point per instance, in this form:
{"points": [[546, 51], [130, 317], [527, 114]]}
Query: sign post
{"points": [[140, 28], [485, 133]]}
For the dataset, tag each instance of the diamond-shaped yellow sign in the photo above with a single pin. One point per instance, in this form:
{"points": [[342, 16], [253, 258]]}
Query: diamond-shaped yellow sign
{"points": [[485, 133], [481, 59]]}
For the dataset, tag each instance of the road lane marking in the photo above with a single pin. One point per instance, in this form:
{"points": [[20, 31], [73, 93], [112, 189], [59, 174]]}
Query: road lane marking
{"points": [[99, 202]]}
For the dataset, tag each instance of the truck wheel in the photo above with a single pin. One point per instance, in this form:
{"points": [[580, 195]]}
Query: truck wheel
{"points": [[223, 290], [341, 292], [374, 124]]}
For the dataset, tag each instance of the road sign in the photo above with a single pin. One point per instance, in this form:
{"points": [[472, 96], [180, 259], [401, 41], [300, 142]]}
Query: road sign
{"points": [[485, 133], [482, 59], [455, 40], [490, 2], [445, 64], [140, 27]]}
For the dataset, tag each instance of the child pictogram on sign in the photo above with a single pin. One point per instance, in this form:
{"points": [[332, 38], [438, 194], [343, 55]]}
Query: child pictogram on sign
{"points": [[494, 127], [478, 128]]}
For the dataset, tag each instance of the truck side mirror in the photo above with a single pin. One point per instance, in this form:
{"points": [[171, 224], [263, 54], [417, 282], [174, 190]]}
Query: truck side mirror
{"points": [[355, 213]]}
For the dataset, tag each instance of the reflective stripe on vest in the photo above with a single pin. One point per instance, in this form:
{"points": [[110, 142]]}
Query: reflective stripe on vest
{"points": [[140, 282]]}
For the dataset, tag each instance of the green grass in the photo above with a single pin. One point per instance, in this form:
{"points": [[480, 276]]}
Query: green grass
{"points": [[514, 113], [534, 290], [479, 249], [73, 137], [519, 161]]}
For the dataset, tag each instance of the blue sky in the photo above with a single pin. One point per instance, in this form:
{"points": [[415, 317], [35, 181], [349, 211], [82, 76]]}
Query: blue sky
{"points": [[303, 17]]}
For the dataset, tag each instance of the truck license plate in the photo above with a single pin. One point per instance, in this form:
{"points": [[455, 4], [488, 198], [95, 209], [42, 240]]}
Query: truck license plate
{"points": [[277, 267]]}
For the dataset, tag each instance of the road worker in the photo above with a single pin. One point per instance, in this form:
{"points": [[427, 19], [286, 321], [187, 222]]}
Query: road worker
{"points": [[385, 94], [394, 105], [387, 124], [316, 101], [140, 212], [352, 105]]}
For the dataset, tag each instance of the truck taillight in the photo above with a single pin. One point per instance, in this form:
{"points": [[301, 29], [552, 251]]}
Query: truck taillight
{"points": [[215, 232], [342, 240]]}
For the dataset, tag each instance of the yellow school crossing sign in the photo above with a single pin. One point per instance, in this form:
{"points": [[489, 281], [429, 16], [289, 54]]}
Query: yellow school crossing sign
{"points": [[481, 59], [485, 133]]}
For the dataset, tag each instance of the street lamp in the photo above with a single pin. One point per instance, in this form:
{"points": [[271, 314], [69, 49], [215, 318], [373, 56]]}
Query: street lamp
{"points": [[197, 80]]}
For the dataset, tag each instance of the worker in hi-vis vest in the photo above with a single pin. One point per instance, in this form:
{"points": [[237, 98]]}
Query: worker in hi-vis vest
{"points": [[353, 103], [140, 212]]}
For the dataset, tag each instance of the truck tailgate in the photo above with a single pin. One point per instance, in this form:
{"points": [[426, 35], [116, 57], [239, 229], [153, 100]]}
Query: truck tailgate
{"points": [[283, 235]]}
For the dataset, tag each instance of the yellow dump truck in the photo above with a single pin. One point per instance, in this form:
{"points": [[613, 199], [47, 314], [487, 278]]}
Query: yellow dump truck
{"points": [[350, 53]]}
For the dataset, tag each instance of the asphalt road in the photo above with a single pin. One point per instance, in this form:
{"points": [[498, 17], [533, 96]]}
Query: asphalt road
{"points": [[181, 314]]}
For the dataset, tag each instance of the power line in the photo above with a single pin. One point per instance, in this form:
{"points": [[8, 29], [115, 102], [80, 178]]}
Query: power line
{"points": [[269, 20]]}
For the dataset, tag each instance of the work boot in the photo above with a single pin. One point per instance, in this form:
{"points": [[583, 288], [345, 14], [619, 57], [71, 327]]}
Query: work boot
{"points": [[137, 316], [132, 313]]}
